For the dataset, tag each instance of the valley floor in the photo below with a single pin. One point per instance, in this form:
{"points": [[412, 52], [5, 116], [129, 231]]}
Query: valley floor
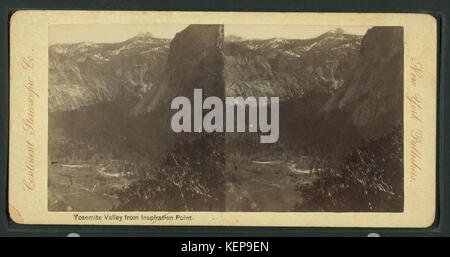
{"points": [[250, 186], [263, 186], [83, 187]]}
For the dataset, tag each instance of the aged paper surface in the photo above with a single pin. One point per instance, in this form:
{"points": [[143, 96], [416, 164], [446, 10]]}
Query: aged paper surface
{"points": [[91, 140]]}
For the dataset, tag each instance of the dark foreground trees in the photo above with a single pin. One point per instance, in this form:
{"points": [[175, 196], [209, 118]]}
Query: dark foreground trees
{"points": [[189, 178], [370, 179]]}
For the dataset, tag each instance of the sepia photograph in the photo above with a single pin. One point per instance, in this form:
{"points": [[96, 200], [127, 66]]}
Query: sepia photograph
{"points": [[225, 118]]}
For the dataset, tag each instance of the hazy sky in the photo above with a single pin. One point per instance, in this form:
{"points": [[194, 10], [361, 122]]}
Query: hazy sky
{"points": [[109, 33], [286, 31]]}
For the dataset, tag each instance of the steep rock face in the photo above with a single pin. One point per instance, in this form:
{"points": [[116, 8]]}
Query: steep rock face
{"points": [[289, 68], [195, 61], [375, 92], [86, 73], [197, 159]]}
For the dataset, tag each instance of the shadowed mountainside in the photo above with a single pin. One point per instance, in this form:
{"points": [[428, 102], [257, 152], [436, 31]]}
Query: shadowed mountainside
{"points": [[289, 67], [375, 91], [87, 73]]}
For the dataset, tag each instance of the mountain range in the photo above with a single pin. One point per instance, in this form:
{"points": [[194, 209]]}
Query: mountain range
{"points": [[361, 73], [87, 73]]}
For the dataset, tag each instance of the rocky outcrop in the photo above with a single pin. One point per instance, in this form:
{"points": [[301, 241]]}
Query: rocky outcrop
{"points": [[195, 61], [375, 92], [195, 160]]}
